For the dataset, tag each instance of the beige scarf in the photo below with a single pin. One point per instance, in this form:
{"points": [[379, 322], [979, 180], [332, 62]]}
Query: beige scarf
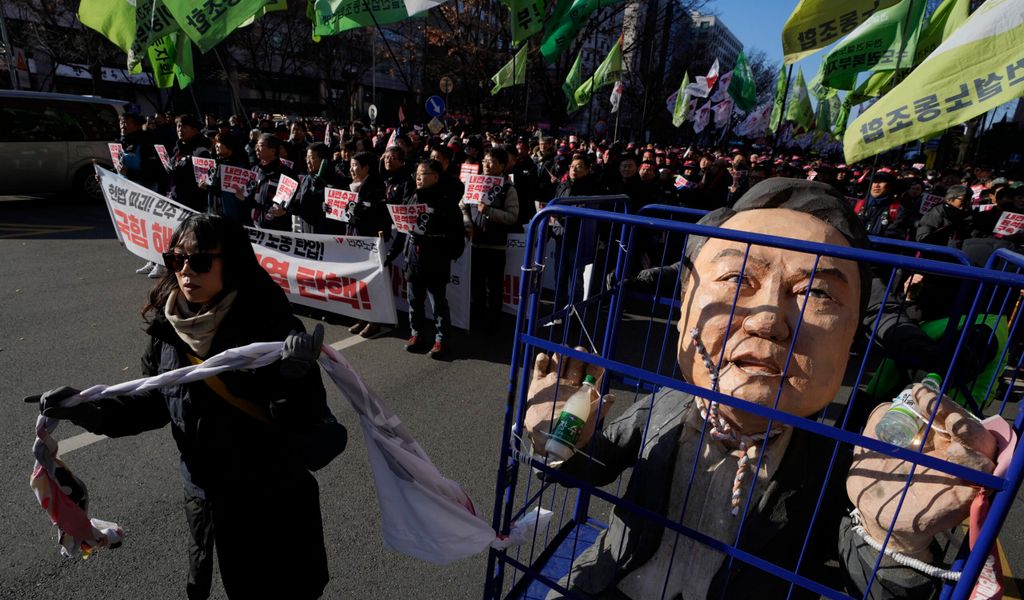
{"points": [[197, 328]]}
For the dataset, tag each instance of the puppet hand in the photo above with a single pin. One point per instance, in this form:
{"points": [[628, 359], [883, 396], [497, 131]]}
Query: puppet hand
{"points": [[935, 500], [543, 408]]}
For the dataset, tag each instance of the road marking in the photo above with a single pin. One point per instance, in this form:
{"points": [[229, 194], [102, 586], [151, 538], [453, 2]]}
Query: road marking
{"points": [[82, 440]]}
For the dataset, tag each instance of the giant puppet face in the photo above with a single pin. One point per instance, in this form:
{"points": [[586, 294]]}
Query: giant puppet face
{"points": [[769, 291]]}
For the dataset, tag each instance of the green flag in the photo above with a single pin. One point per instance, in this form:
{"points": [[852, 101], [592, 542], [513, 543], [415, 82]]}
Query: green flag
{"points": [[798, 109], [978, 68], [815, 24], [527, 18], [207, 23], [113, 20], [875, 45], [945, 20], [570, 22], [607, 73], [780, 98], [171, 58], [572, 81], [839, 124], [742, 88], [828, 110], [682, 108], [352, 14], [153, 22], [513, 73], [271, 6], [949, 16]]}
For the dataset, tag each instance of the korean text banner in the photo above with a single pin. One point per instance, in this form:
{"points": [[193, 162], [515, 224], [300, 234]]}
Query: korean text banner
{"points": [[978, 68], [207, 23], [341, 275], [815, 24]]}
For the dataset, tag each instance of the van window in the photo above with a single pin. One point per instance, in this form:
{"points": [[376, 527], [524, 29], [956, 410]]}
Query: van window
{"points": [[29, 120], [98, 121]]}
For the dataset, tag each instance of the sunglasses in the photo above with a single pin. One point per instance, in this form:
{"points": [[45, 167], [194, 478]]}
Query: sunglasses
{"points": [[200, 262]]}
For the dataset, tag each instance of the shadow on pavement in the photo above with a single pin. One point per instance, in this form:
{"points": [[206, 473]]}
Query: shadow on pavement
{"points": [[53, 217]]}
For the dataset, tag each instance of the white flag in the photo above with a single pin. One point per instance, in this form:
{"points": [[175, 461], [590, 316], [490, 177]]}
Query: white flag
{"points": [[617, 90], [756, 122], [722, 110], [416, 6], [670, 102], [723, 88], [702, 117]]}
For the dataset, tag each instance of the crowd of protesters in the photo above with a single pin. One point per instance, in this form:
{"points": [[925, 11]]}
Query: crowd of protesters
{"points": [[902, 200]]}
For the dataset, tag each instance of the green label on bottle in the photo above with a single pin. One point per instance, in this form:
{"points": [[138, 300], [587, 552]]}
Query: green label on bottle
{"points": [[568, 429]]}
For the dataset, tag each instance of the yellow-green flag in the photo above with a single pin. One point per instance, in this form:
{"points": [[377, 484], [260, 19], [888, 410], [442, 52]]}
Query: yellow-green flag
{"points": [[513, 73], [171, 58], [978, 68], [682, 108], [946, 19], [207, 23], [113, 20], [527, 18], [607, 73], [780, 98], [815, 24], [887, 40], [799, 108], [572, 81]]}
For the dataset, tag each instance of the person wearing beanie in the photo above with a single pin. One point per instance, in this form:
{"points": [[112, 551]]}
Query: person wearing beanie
{"points": [[948, 223]]}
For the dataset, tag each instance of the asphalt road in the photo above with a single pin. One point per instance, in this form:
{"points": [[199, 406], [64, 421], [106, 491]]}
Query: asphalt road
{"points": [[70, 307]]}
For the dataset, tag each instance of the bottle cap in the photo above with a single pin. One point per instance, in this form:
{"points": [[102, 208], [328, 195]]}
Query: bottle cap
{"points": [[589, 379], [935, 378]]}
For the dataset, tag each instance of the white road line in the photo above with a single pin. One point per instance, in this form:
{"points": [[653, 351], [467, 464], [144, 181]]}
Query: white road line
{"points": [[85, 439], [79, 441]]}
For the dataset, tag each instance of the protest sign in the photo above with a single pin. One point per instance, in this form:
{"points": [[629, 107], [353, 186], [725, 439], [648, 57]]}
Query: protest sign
{"points": [[339, 201], [117, 156], [287, 163], [1009, 224], [457, 293], [410, 218], [515, 250], [338, 274], [233, 179], [929, 201], [203, 169], [165, 158], [286, 187], [466, 170], [481, 189]]}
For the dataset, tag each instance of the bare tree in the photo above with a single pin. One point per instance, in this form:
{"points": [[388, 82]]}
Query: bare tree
{"points": [[766, 74]]}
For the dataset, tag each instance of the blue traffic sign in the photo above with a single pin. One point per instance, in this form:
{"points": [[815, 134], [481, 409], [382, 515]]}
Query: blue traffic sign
{"points": [[435, 106]]}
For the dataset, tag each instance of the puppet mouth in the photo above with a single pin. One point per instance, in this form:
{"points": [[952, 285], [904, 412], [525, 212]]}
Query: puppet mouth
{"points": [[757, 367]]}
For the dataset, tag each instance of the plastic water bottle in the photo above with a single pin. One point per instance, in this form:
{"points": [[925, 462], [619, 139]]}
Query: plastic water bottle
{"points": [[901, 422], [570, 423]]}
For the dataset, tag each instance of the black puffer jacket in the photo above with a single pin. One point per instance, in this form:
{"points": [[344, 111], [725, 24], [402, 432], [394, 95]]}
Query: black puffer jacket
{"points": [[245, 469], [184, 188]]}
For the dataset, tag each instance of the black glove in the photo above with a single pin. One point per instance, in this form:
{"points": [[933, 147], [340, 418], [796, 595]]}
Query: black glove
{"points": [[86, 414], [300, 352]]}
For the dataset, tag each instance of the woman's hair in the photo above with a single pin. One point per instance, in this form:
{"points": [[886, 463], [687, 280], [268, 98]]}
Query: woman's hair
{"points": [[367, 159], [270, 141], [241, 270]]}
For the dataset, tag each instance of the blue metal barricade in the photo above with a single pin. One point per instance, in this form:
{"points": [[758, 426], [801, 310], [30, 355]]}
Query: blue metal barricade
{"points": [[633, 338]]}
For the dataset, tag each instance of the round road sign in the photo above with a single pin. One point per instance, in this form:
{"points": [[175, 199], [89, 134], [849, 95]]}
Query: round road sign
{"points": [[447, 85], [372, 111]]}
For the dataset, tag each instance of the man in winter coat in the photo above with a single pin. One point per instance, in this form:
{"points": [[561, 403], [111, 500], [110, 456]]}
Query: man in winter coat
{"points": [[949, 223]]}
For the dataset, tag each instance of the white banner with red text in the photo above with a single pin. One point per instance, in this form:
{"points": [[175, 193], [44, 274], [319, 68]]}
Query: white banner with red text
{"points": [[338, 274]]}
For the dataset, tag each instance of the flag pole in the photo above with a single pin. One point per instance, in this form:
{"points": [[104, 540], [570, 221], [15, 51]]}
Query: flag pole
{"points": [[615, 136], [590, 98], [387, 44]]}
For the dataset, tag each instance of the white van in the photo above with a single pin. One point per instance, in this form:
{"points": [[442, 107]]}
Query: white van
{"points": [[48, 142]]}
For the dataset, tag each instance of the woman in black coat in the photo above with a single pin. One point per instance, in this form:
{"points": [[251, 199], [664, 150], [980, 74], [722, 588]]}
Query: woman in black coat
{"points": [[241, 469]]}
